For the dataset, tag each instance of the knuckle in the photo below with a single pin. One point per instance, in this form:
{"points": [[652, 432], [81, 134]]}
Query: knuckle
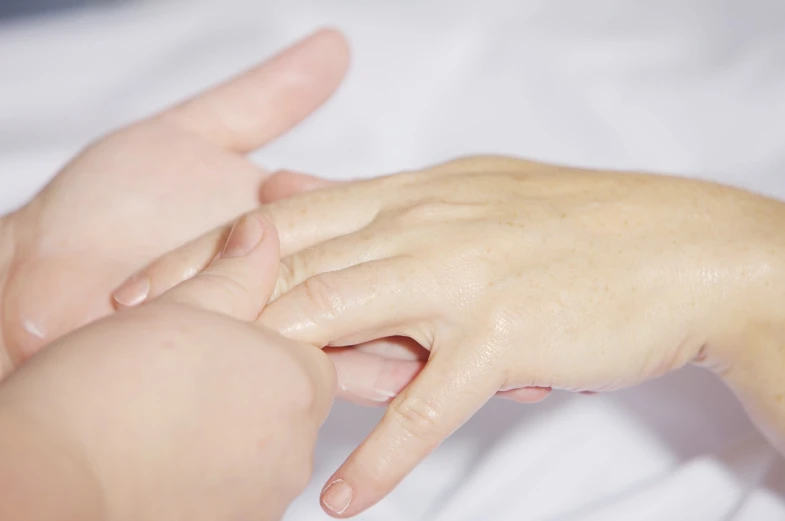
{"points": [[405, 178], [422, 211], [286, 275], [297, 268], [418, 418], [323, 295], [459, 165], [426, 210]]}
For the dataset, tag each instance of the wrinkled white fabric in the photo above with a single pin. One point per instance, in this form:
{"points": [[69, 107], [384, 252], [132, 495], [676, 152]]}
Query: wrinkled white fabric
{"points": [[691, 88]]}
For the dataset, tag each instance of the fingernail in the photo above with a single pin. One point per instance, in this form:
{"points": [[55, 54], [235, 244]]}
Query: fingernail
{"points": [[245, 235], [372, 395], [361, 380], [337, 496], [133, 292]]}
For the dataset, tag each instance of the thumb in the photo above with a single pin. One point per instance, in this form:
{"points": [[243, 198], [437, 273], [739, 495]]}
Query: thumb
{"points": [[241, 278], [285, 184], [265, 102]]}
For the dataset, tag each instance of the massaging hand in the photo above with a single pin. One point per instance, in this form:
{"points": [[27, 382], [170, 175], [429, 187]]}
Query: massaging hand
{"points": [[179, 409], [145, 190], [515, 274]]}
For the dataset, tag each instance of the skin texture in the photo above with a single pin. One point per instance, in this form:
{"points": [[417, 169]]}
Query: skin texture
{"points": [[513, 275], [179, 409], [146, 189]]}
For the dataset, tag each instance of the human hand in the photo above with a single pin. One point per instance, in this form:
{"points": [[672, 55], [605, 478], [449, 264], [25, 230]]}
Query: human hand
{"points": [[146, 189], [515, 274], [370, 374], [182, 408]]}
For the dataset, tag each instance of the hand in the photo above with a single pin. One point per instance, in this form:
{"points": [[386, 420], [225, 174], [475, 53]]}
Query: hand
{"points": [[147, 189], [182, 408], [516, 274], [371, 374]]}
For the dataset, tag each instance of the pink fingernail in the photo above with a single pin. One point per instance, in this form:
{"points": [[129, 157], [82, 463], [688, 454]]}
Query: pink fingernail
{"points": [[337, 496], [245, 235], [133, 292]]}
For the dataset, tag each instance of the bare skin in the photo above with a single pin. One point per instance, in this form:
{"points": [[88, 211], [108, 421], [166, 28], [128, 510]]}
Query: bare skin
{"points": [[146, 189], [515, 275], [179, 409]]}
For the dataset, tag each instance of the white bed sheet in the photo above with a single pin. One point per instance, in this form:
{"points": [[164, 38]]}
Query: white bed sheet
{"points": [[694, 88]]}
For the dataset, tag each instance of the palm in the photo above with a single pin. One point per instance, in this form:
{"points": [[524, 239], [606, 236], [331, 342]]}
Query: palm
{"points": [[148, 189], [114, 209]]}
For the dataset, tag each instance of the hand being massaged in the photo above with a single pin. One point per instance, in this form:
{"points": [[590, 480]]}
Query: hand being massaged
{"points": [[516, 277]]}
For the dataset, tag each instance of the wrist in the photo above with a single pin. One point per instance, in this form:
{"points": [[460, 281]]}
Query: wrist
{"points": [[43, 476], [746, 347]]}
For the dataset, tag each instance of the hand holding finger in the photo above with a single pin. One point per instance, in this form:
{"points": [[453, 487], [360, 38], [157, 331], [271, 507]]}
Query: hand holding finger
{"points": [[239, 281]]}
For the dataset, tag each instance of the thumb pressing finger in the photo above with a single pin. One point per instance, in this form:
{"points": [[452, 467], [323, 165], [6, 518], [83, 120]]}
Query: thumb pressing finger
{"points": [[240, 279]]}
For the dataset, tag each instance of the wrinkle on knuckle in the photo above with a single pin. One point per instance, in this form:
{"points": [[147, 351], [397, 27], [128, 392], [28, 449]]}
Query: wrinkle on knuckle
{"points": [[286, 275], [297, 268], [417, 418], [322, 296], [425, 210]]}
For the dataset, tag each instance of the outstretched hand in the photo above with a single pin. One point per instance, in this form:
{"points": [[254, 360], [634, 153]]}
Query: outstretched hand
{"points": [[146, 189], [515, 276]]}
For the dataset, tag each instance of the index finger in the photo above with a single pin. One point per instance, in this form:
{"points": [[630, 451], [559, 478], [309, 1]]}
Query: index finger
{"points": [[302, 221], [309, 218], [448, 391]]}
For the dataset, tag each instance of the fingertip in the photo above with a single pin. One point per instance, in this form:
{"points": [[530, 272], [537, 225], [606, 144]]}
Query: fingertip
{"points": [[418, 420], [337, 497], [261, 104], [326, 51], [240, 278], [334, 41], [132, 292], [247, 233]]}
